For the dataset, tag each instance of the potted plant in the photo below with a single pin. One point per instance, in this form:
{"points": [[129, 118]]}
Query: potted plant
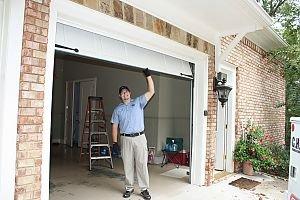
{"points": [[250, 152]]}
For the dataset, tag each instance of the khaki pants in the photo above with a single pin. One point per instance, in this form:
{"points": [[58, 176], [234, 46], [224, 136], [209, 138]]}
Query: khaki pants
{"points": [[135, 154]]}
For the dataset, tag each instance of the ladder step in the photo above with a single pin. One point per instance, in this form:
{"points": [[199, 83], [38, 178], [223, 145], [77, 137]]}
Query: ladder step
{"points": [[97, 109], [95, 121], [95, 132], [100, 157], [99, 145], [99, 133]]}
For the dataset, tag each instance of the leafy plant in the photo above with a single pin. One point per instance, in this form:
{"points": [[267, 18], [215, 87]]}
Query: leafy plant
{"points": [[249, 148], [280, 156]]}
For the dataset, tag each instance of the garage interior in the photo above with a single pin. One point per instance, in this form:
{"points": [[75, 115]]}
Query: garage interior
{"points": [[166, 115]]}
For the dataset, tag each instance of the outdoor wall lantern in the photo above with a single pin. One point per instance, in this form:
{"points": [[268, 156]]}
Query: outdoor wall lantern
{"points": [[222, 89]]}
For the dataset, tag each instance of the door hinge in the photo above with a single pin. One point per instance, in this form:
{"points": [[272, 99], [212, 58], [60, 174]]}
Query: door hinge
{"points": [[225, 157]]}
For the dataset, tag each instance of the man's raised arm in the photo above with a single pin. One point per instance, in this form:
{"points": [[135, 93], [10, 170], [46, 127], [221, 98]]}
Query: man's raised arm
{"points": [[150, 84]]}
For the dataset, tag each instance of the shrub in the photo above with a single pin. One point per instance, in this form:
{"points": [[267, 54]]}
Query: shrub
{"points": [[250, 149], [281, 159]]}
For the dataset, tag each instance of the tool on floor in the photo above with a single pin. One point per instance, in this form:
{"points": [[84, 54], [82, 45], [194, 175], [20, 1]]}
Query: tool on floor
{"points": [[95, 141]]}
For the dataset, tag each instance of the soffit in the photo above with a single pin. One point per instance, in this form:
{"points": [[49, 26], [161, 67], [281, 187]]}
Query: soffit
{"points": [[210, 19]]}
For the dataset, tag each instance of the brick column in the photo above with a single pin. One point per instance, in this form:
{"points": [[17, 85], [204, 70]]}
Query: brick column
{"points": [[211, 124], [31, 100]]}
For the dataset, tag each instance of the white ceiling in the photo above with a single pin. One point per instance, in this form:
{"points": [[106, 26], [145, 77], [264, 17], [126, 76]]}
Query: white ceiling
{"points": [[208, 19]]}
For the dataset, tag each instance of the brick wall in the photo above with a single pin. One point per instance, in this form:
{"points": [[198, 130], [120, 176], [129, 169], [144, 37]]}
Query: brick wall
{"points": [[31, 100], [260, 89]]}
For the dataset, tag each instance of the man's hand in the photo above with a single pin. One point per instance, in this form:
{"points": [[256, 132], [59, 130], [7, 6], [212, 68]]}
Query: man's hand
{"points": [[115, 150], [146, 72]]}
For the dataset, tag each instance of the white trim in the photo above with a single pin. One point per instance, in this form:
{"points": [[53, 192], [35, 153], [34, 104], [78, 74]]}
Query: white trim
{"points": [[227, 67], [199, 132], [11, 46], [229, 48], [1, 21], [45, 171]]}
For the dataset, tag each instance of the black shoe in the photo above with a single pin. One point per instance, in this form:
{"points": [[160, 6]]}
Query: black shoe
{"points": [[145, 194], [127, 193]]}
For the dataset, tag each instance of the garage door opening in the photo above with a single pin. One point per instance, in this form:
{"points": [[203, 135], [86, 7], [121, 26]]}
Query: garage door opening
{"points": [[168, 114]]}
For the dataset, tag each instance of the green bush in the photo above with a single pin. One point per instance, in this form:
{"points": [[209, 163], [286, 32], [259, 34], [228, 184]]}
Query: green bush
{"points": [[270, 158], [249, 148], [281, 159]]}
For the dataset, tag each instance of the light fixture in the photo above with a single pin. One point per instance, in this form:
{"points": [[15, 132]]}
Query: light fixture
{"points": [[222, 89]]}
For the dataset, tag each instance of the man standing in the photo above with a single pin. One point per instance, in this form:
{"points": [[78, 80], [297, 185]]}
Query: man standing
{"points": [[128, 116]]}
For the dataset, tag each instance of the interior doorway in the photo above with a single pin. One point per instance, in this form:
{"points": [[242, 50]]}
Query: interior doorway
{"points": [[77, 93]]}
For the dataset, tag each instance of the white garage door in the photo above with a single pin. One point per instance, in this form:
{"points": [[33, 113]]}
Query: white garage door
{"points": [[97, 46]]}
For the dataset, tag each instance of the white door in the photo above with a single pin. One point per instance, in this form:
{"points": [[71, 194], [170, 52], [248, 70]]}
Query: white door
{"points": [[68, 139], [87, 88], [225, 136], [221, 137]]}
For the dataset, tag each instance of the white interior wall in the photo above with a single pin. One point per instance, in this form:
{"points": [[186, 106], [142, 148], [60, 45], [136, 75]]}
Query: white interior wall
{"points": [[161, 119], [174, 110]]}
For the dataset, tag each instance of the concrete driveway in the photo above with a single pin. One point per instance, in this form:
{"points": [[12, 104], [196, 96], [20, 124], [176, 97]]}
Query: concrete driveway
{"points": [[270, 188]]}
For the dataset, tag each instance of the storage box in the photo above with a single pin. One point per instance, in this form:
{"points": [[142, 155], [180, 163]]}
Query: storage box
{"points": [[180, 158]]}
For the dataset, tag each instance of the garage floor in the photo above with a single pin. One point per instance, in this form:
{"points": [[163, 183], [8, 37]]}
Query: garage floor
{"points": [[71, 179]]}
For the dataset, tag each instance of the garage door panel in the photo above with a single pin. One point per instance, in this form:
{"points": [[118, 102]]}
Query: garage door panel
{"points": [[112, 48], [182, 67], [105, 48], [83, 40], [137, 55]]}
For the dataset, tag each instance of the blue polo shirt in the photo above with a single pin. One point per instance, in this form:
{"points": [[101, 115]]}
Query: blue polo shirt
{"points": [[130, 117]]}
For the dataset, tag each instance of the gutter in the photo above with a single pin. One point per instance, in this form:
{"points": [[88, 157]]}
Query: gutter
{"points": [[265, 18], [277, 36]]}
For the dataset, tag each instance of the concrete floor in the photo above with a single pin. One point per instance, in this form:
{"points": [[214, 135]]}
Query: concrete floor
{"points": [[71, 180]]}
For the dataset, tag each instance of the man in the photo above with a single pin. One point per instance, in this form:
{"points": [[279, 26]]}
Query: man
{"points": [[128, 116]]}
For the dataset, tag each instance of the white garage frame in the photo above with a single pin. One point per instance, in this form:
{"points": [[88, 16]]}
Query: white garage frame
{"points": [[73, 14]]}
